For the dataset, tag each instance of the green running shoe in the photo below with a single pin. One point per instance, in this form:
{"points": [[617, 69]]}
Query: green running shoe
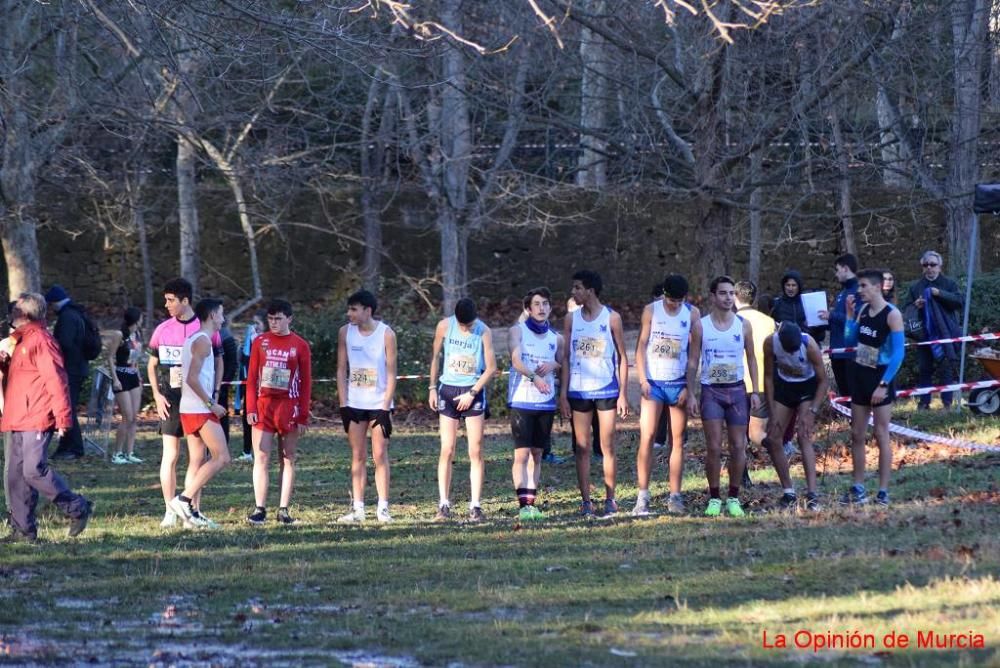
{"points": [[714, 508], [533, 514], [734, 508]]}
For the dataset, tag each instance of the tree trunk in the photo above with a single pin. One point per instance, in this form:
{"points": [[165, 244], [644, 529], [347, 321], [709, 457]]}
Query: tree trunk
{"points": [[371, 270], [134, 191], [455, 137], [843, 182], [753, 269], [236, 187], [20, 252], [895, 156], [187, 156], [714, 246], [592, 162], [17, 187], [450, 256], [187, 211], [969, 30]]}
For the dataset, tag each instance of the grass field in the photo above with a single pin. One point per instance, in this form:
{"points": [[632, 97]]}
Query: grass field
{"points": [[619, 592]]}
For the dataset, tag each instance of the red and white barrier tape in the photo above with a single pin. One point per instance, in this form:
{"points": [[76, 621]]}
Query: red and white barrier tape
{"points": [[837, 404], [932, 389], [417, 376], [972, 337]]}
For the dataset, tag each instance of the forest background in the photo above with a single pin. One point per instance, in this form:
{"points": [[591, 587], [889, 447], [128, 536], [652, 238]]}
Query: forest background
{"points": [[456, 147]]}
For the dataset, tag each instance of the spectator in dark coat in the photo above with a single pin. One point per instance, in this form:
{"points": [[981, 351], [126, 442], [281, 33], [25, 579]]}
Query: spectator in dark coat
{"points": [[948, 298], [787, 306], [34, 374], [70, 331]]}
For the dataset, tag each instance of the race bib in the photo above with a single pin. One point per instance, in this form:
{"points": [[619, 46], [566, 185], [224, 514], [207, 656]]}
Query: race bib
{"points": [[364, 379], [791, 370], [463, 365], [666, 348], [589, 347], [866, 356], [275, 378], [169, 355], [723, 372], [176, 377]]}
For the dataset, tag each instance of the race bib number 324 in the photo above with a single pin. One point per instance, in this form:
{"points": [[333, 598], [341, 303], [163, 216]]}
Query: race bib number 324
{"points": [[363, 379]]}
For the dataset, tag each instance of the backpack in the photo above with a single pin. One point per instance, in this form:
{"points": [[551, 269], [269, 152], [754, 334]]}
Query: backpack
{"points": [[92, 344]]}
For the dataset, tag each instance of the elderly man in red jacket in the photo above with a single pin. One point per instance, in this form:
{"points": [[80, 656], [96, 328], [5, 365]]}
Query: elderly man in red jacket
{"points": [[37, 405]]}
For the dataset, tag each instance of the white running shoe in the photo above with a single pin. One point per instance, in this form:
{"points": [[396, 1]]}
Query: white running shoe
{"points": [[353, 517], [169, 520], [120, 458], [134, 460], [182, 509], [245, 457], [641, 507], [382, 515], [206, 521]]}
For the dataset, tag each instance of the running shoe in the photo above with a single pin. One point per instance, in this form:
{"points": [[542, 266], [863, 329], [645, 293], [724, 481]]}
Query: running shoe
{"points": [[856, 495], [285, 518], [245, 457], [524, 513], [610, 507], [733, 507], [182, 509], [534, 514], [882, 498], [788, 501], [257, 517], [641, 507], [202, 521], [813, 504], [78, 524], [382, 515], [120, 458], [675, 504], [714, 508], [553, 458], [356, 516], [169, 520], [443, 513], [134, 460], [587, 509], [476, 514], [657, 446]]}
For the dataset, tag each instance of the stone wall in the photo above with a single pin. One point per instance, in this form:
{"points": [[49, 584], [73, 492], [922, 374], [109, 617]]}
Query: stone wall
{"points": [[632, 242]]}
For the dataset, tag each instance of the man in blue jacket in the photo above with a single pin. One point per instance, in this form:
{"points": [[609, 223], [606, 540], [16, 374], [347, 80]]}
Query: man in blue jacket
{"points": [[845, 267], [945, 302], [70, 331]]}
